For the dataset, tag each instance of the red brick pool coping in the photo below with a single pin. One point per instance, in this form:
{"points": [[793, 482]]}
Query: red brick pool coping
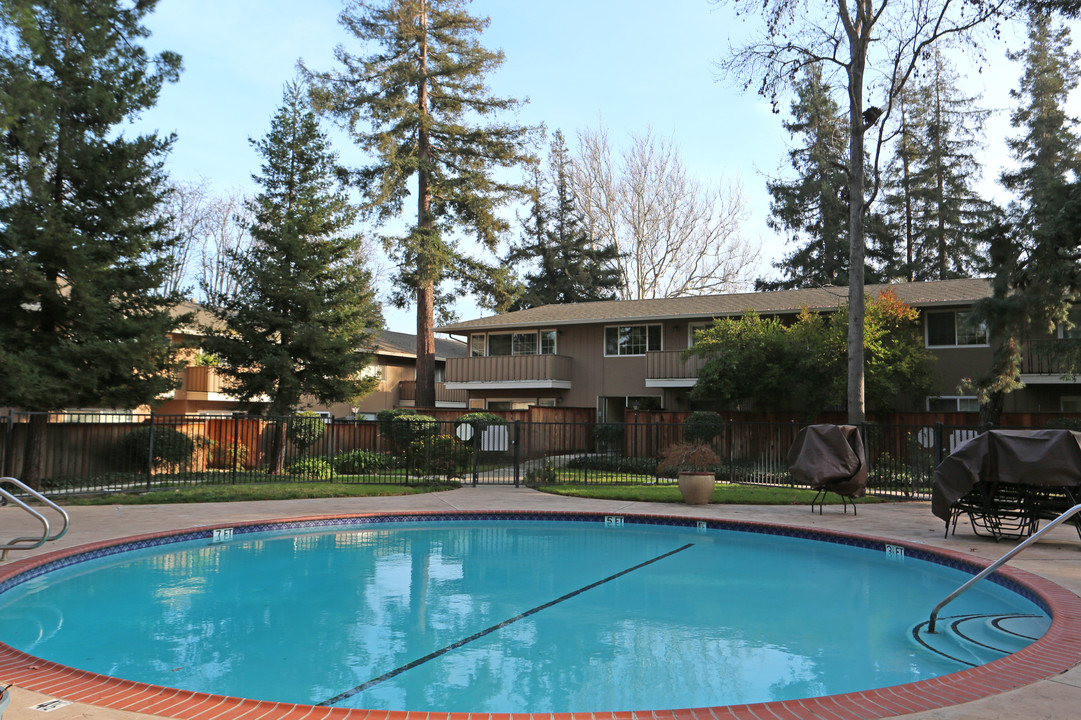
{"points": [[1058, 650]]}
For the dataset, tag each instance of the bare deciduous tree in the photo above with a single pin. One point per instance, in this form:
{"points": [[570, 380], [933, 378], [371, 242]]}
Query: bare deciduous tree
{"points": [[227, 231], [185, 207], [676, 235], [887, 37]]}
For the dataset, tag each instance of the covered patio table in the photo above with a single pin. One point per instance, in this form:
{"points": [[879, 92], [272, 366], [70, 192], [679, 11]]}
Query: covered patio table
{"points": [[1006, 481]]}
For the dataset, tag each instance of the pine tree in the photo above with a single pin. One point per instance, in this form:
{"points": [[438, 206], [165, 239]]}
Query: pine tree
{"points": [[303, 324], [570, 267], [81, 252], [933, 210], [813, 208], [417, 104], [950, 214], [1037, 254], [891, 246]]}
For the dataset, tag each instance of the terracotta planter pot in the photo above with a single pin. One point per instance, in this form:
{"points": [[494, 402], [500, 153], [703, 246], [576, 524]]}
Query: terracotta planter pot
{"points": [[696, 487]]}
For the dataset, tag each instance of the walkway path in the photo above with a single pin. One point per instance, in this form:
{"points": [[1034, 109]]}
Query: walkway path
{"points": [[1057, 557]]}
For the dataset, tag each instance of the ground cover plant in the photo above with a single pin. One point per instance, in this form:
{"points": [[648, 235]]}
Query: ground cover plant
{"points": [[253, 491], [724, 493]]}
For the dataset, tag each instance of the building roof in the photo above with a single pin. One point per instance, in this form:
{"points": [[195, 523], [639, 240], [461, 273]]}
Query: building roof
{"points": [[405, 345], [918, 294], [386, 342]]}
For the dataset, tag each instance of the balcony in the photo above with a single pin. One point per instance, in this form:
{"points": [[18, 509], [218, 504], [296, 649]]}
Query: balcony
{"points": [[407, 395], [668, 369], [1048, 362], [509, 372], [204, 383]]}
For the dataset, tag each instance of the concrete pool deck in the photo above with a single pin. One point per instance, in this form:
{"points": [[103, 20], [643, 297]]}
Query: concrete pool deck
{"points": [[1056, 558]]}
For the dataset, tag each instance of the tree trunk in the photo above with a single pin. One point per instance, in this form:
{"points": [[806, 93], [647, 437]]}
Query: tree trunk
{"points": [[425, 379], [425, 397], [34, 457], [278, 464], [857, 249]]}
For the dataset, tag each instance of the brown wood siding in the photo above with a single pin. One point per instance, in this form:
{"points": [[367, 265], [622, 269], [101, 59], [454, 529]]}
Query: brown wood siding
{"points": [[509, 368]]}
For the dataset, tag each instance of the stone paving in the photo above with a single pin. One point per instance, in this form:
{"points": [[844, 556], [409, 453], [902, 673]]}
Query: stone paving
{"points": [[1056, 557]]}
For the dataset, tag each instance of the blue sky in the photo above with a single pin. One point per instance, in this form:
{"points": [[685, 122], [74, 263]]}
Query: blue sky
{"points": [[628, 65]]}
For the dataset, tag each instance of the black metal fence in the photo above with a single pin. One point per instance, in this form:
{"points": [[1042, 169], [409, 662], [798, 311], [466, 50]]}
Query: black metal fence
{"points": [[68, 453]]}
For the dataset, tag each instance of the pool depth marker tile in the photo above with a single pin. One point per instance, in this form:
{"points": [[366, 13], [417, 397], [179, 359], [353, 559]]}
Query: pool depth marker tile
{"points": [[476, 636]]}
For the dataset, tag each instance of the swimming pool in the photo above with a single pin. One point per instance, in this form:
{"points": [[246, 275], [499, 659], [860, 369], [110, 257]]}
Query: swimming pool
{"points": [[683, 568]]}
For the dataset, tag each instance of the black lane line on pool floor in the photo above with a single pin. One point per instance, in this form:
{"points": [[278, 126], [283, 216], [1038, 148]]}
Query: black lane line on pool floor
{"points": [[476, 636]]}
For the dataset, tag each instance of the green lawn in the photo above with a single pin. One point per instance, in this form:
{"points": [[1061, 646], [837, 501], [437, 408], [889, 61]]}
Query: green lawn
{"points": [[260, 491], [725, 493]]}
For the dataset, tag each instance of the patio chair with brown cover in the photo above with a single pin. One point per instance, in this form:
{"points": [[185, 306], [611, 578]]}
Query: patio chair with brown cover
{"points": [[829, 458]]}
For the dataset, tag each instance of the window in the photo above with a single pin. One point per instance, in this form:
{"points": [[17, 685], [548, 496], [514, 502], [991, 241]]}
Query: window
{"points": [[954, 328], [97, 415], [547, 342], [953, 403], [529, 342], [508, 404], [1074, 331], [476, 345], [632, 339], [693, 329], [1070, 404]]}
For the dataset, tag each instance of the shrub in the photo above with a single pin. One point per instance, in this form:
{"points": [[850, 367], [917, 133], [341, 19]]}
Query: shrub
{"points": [[702, 427], [440, 455], [403, 426], [1064, 423], [610, 433], [481, 421], [358, 462], [690, 458], [310, 468], [385, 419], [232, 457], [305, 429], [171, 447], [543, 475]]}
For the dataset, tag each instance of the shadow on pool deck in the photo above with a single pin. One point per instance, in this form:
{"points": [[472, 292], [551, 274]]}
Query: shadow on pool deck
{"points": [[1057, 558]]}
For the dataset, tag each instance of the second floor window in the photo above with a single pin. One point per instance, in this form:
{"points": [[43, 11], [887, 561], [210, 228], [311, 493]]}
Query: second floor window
{"points": [[515, 343], [632, 339], [953, 328]]}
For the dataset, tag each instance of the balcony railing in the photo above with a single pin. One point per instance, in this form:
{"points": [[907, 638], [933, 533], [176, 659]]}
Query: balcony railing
{"points": [[670, 365], [407, 392], [541, 369], [1056, 358], [203, 379]]}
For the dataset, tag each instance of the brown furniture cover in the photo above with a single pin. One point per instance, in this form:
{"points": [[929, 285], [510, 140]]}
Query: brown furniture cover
{"points": [[1038, 458], [829, 457]]}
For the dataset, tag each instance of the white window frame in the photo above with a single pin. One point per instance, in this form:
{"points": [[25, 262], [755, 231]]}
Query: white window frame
{"points": [[647, 326], [693, 327], [483, 338], [957, 315], [971, 400], [1070, 403]]}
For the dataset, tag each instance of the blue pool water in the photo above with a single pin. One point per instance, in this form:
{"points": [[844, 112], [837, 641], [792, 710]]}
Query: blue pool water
{"points": [[505, 616]]}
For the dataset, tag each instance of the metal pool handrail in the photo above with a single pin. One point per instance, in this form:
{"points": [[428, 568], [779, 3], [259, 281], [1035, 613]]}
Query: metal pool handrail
{"points": [[30, 542], [999, 563]]}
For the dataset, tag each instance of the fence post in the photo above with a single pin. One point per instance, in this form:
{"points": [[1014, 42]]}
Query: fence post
{"points": [[150, 452], [517, 453], [940, 440], [233, 459], [9, 445], [476, 452]]}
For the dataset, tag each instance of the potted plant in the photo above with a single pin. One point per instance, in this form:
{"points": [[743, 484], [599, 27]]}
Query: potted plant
{"points": [[695, 465]]}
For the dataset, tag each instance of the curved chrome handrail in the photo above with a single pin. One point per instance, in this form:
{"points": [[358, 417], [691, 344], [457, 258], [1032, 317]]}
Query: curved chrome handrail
{"points": [[999, 563], [30, 542]]}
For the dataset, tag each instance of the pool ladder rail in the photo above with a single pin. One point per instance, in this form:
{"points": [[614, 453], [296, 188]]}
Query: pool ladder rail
{"points": [[32, 541], [999, 563]]}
